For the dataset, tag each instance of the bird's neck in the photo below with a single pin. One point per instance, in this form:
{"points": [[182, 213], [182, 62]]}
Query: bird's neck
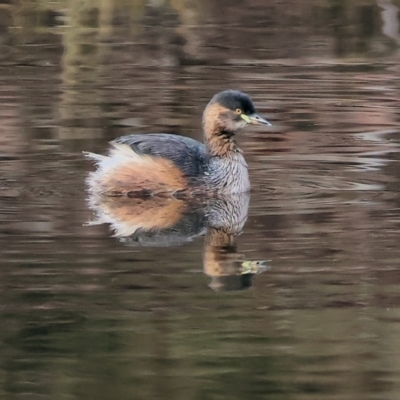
{"points": [[221, 144], [219, 141]]}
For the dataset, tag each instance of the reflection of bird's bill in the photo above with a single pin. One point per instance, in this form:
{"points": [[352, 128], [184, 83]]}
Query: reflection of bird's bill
{"points": [[240, 280], [254, 267]]}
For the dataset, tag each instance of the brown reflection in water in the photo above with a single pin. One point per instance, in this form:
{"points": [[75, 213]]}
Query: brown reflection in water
{"points": [[81, 111], [85, 317], [135, 61], [167, 221]]}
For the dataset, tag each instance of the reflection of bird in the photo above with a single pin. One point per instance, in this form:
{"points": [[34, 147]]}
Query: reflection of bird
{"points": [[168, 221], [164, 164], [227, 268], [132, 217]]}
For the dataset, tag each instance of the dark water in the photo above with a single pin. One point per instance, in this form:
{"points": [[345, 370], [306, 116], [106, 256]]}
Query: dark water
{"points": [[85, 315]]}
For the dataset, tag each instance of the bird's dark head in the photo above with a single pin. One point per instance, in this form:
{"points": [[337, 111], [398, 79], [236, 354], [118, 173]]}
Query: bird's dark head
{"points": [[229, 111]]}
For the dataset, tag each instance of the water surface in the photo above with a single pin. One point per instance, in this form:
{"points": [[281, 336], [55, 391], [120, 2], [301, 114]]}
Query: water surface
{"points": [[85, 315]]}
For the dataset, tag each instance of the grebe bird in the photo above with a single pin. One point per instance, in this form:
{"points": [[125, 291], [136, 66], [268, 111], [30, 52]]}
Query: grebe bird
{"points": [[166, 164]]}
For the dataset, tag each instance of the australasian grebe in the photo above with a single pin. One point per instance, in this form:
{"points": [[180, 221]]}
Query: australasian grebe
{"points": [[167, 164]]}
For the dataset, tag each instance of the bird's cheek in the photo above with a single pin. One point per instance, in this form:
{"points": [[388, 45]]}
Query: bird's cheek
{"points": [[237, 125], [230, 124], [241, 124]]}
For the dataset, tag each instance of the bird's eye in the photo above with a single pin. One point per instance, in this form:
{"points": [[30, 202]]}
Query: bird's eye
{"points": [[238, 111]]}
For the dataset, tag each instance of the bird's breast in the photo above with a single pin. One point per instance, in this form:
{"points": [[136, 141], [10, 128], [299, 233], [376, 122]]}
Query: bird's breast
{"points": [[228, 174]]}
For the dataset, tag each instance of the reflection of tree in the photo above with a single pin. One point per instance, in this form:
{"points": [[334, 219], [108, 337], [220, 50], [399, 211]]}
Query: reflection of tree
{"points": [[172, 31], [121, 60], [83, 59]]}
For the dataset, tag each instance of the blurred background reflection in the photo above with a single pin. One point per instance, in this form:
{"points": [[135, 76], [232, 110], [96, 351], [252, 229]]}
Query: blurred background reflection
{"points": [[85, 315]]}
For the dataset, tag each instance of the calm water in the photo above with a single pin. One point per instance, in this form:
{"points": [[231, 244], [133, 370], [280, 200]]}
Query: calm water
{"points": [[160, 315]]}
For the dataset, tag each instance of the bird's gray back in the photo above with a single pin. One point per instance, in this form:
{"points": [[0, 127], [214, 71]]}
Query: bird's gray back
{"points": [[189, 155]]}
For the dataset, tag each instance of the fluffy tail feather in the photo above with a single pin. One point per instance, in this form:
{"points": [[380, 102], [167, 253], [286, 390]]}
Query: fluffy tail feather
{"points": [[125, 172]]}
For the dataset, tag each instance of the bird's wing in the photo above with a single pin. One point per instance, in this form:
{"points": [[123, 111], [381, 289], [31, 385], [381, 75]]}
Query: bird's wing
{"points": [[187, 154]]}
